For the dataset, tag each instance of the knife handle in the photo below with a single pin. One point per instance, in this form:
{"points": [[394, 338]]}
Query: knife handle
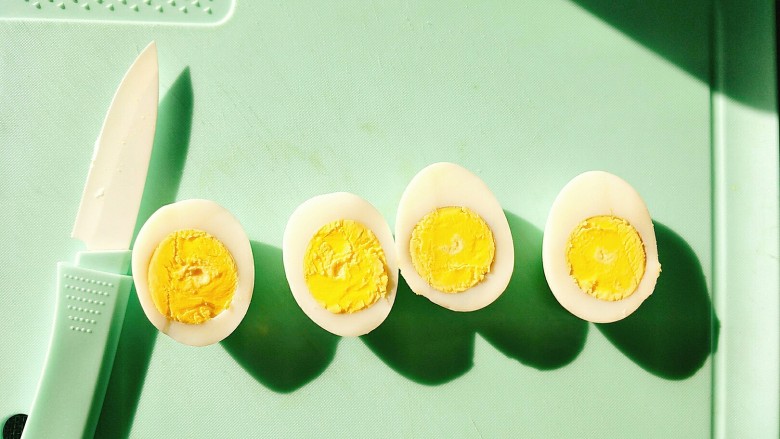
{"points": [[90, 309]]}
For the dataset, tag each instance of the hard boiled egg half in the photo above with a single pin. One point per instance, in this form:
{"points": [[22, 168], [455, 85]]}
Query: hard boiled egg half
{"points": [[599, 249], [340, 262], [193, 271], [453, 239]]}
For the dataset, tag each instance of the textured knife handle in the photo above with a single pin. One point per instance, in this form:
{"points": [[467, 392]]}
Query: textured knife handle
{"points": [[88, 319]]}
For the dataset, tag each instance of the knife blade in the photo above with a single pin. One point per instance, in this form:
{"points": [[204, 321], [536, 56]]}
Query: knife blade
{"points": [[92, 293], [112, 195]]}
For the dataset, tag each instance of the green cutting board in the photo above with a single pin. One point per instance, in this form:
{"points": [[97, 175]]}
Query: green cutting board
{"points": [[267, 103]]}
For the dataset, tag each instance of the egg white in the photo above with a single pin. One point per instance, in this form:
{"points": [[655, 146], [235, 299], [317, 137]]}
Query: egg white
{"points": [[591, 194], [303, 224], [211, 218], [443, 185]]}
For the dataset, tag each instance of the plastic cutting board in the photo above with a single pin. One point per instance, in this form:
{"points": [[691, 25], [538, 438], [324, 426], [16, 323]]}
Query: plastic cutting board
{"points": [[267, 103]]}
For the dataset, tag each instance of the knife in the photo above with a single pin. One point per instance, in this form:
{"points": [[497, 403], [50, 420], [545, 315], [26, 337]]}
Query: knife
{"points": [[92, 293]]}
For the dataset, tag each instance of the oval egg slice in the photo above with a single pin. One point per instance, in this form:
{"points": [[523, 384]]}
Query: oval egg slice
{"points": [[599, 249], [193, 271], [453, 239], [340, 262]]}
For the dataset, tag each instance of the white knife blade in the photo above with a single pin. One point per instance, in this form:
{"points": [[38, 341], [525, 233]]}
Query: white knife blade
{"points": [[112, 194]]}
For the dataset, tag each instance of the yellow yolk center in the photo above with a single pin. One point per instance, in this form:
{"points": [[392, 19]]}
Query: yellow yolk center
{"points": [[606, 257], [452, 248], [192, 277], [345, 267]]}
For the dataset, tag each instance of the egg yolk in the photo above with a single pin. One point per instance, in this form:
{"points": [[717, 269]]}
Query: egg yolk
{"points": [[345, 267], [606, 257], [452, 248], [192, 276]]}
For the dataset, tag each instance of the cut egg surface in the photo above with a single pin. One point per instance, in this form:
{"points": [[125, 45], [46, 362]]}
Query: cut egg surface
{"points": [[453, 239], [341, 264], [599, 249], [193, 271]]}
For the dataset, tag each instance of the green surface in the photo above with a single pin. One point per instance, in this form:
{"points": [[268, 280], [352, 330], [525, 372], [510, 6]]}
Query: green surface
{"points": [[746, 234], [286, 100]]}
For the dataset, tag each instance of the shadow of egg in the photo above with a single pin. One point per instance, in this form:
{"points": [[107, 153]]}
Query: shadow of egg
{"points": [[276, 342], [675, 329]]}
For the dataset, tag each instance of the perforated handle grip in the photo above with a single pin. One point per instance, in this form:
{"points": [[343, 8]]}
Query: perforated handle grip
{"points": [[181, 12], [89, 313]]}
